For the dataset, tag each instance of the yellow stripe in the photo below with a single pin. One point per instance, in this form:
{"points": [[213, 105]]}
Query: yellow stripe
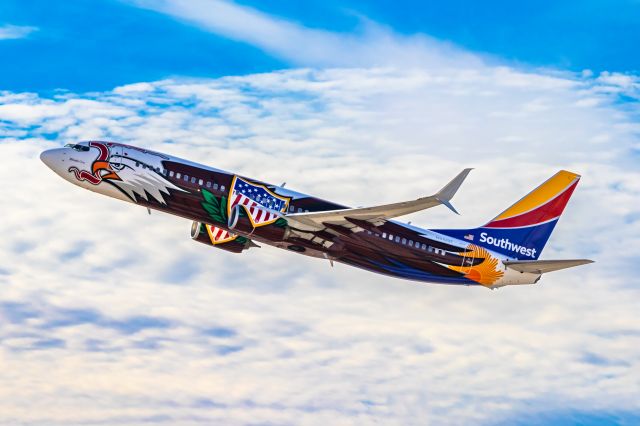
{"points": [[545, 192]]}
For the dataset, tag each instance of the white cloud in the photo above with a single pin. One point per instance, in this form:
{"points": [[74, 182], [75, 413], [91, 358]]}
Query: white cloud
{"points": [[9, 32], [374, 45], [114, 316]]}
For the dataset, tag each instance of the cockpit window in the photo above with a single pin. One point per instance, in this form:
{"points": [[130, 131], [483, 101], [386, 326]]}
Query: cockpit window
{"points": [[77, 147]]}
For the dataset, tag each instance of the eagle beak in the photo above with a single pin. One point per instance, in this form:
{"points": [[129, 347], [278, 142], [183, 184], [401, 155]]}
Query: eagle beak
{"points": [[104, 165]]}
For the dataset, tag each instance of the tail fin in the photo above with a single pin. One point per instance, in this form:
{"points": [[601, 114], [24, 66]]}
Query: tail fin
{"points": [[522, 230]]}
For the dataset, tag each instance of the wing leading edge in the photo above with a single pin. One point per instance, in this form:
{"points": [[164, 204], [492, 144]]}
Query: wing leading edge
{"points": [[378, 214]]}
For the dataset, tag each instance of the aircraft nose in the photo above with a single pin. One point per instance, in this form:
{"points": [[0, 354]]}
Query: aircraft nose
{"points": [[47, 157], [54, 159]]}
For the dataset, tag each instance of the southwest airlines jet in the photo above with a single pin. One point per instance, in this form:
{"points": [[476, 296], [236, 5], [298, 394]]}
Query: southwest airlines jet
{"points": [[233, 212]]}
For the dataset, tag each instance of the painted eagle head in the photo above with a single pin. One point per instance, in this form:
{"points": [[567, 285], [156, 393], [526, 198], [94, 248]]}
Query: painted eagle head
{"points": [[134, 172]]}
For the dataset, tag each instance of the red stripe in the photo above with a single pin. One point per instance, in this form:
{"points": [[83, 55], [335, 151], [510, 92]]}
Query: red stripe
{"points": [[544, 213], [218, 234], [237, 200], [104, 151]]}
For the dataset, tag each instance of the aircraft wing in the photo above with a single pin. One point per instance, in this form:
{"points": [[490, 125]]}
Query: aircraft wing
{"points": [[542, 266], [378, 214]]}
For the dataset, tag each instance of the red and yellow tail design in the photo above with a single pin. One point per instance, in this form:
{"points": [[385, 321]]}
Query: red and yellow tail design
{"points": [[543, 204], [522, 230]]}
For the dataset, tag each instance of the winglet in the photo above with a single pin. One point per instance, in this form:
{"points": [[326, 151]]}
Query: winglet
{"points": [[446, 194]]}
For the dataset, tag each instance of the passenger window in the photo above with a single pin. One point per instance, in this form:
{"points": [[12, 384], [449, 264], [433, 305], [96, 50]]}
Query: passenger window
{"points": [[292, 209], [215, 186], [137, 164], [397, 239], [221, 187], [411, 243], [208, 184], [384, 235], [299, 209], [424, 246], [200, 182], [404, 241], [186, 178], [171, 173], [193, 180], [178, 175]]}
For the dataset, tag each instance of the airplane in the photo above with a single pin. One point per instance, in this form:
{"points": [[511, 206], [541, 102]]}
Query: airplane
{"points": [[233, 213]]}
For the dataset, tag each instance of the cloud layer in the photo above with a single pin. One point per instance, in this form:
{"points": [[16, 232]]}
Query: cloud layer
{"points": [[113, 316], [371, 45], [9, 32]]}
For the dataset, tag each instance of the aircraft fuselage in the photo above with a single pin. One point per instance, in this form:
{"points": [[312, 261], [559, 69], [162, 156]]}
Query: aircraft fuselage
{"points": [[232, 212]]}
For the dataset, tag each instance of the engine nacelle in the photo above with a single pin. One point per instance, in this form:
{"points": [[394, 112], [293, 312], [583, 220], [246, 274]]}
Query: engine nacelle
{"points": [[219, 238]]}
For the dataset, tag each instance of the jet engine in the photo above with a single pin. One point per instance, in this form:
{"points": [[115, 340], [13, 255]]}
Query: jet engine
{"points": [[220, 238]]}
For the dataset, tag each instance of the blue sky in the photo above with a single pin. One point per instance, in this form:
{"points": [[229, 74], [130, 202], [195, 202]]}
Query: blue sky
{"points": [[96, 45], [110, 315]]}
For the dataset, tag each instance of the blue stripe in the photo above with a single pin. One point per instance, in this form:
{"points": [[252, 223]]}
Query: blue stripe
{"points": [[530, 239], [405, 271]]}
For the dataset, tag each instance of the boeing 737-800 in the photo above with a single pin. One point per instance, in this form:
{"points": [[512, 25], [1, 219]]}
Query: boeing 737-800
{"points": [[232, 213]]}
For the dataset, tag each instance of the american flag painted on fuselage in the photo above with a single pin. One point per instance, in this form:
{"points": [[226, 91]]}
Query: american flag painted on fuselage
{"points": [[257, 200], [219, 235]]}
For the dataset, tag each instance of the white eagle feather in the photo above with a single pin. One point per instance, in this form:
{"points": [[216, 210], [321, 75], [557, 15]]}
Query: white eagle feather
{"points": [[141, 176]]}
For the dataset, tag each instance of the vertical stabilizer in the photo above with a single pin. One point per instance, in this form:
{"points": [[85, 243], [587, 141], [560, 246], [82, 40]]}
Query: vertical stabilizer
{"points": [[522, 230]]}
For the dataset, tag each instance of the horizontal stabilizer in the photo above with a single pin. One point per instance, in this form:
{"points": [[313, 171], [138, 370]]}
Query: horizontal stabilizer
{"points": [[543, 266]]}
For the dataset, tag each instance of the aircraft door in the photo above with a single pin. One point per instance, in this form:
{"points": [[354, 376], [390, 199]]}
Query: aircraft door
{"points": [[466, 263]]}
